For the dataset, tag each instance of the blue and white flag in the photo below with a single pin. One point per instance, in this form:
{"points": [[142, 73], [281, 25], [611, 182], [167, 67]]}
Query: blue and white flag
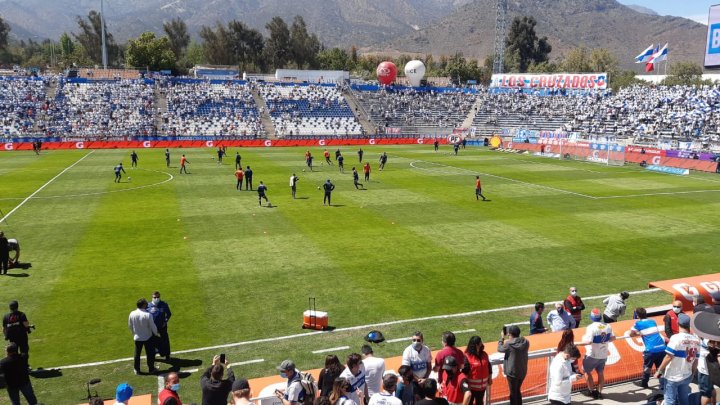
{"points": [[660, 55], [646, 54]]}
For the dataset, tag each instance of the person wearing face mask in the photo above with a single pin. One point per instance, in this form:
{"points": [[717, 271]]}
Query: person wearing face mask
{"points": [[574, 305], [355, 374], [449, 349], [671, 319], [418, 357], [294, 392], [562, 376], [455, 387], [478, 370], [653, 342], [596, 338], [161, 314], [559, 319], [172, 386], [679, 363], [143, 329]]}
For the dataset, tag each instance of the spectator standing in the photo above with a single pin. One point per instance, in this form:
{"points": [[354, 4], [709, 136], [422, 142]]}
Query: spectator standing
{"points": [[562, 376], [449, 349], [597, 336], [615, 307], [558, 319], [4, 253], [536, 320], [429, 390], [239, 174], [708, 350], [241, 392], [418, 357], [374, 370], [293, 392], [123, 393], [387, 395], [341, 393], [327, 377], [408, 390], [171, 388], [478, 370], [515, 362], [574, 305], [455, 387], [654, 343], [677, 367], [215, 389], [16, 328], [670, 320], [700, 305], [143, 329], [355, 374], [248, 178], [17, 375], [161, 314]]}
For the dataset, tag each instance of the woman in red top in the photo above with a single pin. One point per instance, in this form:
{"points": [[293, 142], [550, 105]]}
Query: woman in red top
{"points": [[478, 370]]}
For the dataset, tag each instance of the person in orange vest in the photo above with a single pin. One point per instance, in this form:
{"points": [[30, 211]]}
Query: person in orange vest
{"points": [[183, 161], [478, 189], [239, 175], [477, 369], [327, 157], [574, 305], [366, 170], [455, 386], [671, 319]]}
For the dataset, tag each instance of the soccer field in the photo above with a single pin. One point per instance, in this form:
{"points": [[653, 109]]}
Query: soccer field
{"points": [[415, 243]]}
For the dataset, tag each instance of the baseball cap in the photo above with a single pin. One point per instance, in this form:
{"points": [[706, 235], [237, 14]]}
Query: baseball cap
{"points": [[449, 363], [241, 384], [286, 365], [123, 392], [706, 325], [595, 315], [684, 321]]}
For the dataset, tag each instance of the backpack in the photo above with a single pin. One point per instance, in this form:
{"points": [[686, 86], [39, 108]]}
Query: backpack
{"points": [[308, 384]]}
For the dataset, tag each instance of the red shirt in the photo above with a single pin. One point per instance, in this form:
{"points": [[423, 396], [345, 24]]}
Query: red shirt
{"points": [[366, 168], [477, 183], [327, 154], [182, 161], [448, 351], [166, 393], [454, 389], [239, 174]]}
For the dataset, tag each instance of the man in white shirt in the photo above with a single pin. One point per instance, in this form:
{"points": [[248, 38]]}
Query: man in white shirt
{"points": [[374, 370], [418, 357], [355, 374], [562, 376], [559, 319], [680, 359], [597, 336], [387, 396], [143, 327]]}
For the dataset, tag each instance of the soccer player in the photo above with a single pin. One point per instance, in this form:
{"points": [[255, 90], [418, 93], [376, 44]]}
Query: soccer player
{"points": [[327, 157], [360, 154], [309, 160], [383, 160], [293, 184], [183, 162], [134, 159], [328, 187], [239, 174], [435, 144], [118, 169], [341, 165], [261, 194], [167, 157], [337, 154], [456, 146], [248, 178], [220, 154], [478, 189], [366, 170], [356, 179], [238, 165]]}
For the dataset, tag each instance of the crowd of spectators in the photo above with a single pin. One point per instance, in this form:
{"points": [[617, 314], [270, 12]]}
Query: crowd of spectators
{"points": [[203, 108], [20, 101], [309, 110]]}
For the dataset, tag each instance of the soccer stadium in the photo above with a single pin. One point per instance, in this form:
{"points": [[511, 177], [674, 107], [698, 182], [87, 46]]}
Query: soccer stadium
{"points": [[222, 223]]}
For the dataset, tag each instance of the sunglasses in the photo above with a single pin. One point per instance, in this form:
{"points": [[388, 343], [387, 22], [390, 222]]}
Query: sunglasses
{"points": [[417, 340]]}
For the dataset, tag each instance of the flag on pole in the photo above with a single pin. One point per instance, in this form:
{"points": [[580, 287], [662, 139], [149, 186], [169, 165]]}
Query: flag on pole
{"points": [[649, 67], [646, 54], [660, 55]]}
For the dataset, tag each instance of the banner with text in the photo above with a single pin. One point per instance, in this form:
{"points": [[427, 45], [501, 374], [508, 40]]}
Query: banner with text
{"points": [[550, 81]]}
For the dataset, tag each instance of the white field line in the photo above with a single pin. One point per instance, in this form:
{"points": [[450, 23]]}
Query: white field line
{"points": [[332, 349], [559, 190], [43, 186], [170, 178], [242, 363], [350, 328], [654, 194]]}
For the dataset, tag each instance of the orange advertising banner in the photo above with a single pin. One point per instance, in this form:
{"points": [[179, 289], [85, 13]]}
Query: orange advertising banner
{"points": [[684, 289]]}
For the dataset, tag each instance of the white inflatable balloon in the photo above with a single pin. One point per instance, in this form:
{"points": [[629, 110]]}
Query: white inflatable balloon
{"points": [[415, 71]]}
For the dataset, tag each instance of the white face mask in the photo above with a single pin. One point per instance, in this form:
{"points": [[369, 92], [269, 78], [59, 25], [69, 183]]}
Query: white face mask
{"points": [[155, 301], [417, 345], [574, 293], [677, 310]]}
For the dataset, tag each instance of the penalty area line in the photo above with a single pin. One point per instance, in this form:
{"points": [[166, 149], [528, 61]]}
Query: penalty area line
{"points": [[43, 186], [346, 329]]}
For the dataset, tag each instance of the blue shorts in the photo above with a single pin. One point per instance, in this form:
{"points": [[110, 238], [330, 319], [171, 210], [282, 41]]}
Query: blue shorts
{"points": [[705, 386], [590, 364]]}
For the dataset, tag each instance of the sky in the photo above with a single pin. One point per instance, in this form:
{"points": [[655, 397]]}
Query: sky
{"points": [[696, 10]]}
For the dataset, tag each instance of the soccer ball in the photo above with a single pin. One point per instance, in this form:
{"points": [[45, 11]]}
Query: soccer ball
{"points": [[129, 178], [318, 187], [303, 169], [268, 204]]}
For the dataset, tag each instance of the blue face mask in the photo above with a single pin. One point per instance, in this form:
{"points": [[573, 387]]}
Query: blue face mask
{"points": [[283, 375], [175, 387]]}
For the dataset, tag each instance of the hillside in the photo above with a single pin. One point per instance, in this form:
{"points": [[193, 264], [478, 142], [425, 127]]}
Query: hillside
{"points": [[567, 24]]}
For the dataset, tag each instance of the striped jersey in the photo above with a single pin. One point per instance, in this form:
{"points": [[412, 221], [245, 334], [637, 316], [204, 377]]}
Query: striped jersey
{"points": [[648, 329]]}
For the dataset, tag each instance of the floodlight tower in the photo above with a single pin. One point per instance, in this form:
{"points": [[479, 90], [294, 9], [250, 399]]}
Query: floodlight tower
{"points": [[500, 30], [102, 33]]}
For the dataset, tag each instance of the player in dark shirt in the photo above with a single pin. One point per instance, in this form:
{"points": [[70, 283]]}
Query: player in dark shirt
{"points": [[118, 170], [328, 187], [167, 157], [237, 161], [16, 328], [17, 375], [341, 165], [261, 194], [134, 159], [248, 178], [356, 179]]}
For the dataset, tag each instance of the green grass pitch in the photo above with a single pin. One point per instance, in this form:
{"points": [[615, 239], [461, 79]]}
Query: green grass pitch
{"points": [[415, 243]]}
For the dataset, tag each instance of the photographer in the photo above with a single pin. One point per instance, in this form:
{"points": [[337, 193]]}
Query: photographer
{"points": [[215, 389], [16, 328]]}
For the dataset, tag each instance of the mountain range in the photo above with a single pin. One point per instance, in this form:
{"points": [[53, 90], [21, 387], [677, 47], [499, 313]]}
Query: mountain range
{"points": [[438, 27]]}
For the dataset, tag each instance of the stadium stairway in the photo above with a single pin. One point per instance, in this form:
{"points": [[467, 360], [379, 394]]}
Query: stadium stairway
{"points": [[265, 115], [161, 106], [468, 122], [358, 111]]}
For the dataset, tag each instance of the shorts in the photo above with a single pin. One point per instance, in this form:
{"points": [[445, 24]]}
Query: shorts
{"points": [[705, 386], [591, 363]]}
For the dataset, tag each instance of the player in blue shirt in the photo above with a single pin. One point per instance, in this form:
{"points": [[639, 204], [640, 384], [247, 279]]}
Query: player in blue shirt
{"points": [[654, 345], [261, 194], [118, 170]]}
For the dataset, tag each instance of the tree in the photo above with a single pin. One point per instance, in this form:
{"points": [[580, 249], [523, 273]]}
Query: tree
{"points": [[177, 32], [523, 46], [685, 73], [603, 60], [462, 70], [150, 52], [4, 31], [577, 60], [304, 47], [216, 45], [245, 43], [90, 38], [277, 46], [335, 59], [67, 46]]}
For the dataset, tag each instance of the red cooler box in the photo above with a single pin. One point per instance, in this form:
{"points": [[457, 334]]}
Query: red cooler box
{"points": [[315, 320]]}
